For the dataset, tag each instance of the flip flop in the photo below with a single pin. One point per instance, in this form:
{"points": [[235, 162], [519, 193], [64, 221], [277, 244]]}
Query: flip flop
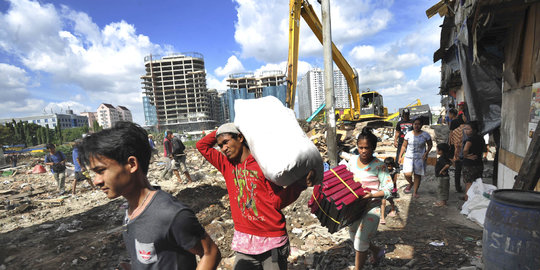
{"points": [[377, 260], [407, 190], [383, 222], [439, 204], [392, 214]]}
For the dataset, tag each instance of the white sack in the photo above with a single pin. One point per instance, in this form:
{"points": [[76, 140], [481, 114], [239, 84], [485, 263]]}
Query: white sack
{"points": [[280, 146], [475, 207]]}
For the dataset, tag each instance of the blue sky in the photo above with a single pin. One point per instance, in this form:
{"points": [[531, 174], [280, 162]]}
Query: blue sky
{"points": [[80, 53]]}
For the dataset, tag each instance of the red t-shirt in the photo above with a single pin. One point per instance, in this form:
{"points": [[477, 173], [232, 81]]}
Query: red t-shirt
{"points": [[256, 202], [167, 147]]}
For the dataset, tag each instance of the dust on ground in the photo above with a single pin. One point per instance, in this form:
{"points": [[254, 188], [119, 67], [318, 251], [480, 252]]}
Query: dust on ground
{"points": [[41, 230]]}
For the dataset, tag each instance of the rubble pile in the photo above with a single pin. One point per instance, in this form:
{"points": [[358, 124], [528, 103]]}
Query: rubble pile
{"points": [[346, 137], [41, 230]]}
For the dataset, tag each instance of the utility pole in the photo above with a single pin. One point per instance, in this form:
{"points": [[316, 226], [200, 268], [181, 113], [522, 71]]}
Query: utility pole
{"points": [[329, 85]]}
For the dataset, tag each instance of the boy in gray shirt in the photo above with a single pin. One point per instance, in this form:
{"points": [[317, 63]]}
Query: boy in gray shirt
{"points": [[159, 231]]}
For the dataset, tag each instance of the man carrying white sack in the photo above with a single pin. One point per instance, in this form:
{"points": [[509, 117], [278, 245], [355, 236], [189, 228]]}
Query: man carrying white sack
{"points": [[260, 235]]}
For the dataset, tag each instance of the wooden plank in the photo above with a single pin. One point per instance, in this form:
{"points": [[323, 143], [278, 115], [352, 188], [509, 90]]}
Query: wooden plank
{"points": [[510, 160], [528, 44], [51, 201], [536, 49], [26, 194], [529, 172]]}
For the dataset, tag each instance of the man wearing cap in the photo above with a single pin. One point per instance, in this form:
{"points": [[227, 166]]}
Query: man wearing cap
{"points": [[403, 126], [260, 234]]}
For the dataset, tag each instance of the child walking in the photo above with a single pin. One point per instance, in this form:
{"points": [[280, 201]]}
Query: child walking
{"points": [[441, 173], [391, 167]]}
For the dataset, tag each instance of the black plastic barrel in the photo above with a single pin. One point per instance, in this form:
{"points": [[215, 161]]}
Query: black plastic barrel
{"points": [[511, 238]]}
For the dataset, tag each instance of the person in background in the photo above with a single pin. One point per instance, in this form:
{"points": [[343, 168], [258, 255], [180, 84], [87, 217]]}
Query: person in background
{"points": [[414, 156], [447, 119], [402, 128], [159, 232], [391, 167], [473, 167], [169, 157], [79, 170], [456, 146], [463, 112], [486, 140], [441, 173], [374, 176], [260, 237], [57, 162], [14, 159], [180, 158], [153, 145]]}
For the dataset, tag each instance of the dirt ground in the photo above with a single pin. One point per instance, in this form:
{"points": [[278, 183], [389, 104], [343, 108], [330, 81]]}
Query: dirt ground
{"points": [[40, 230]]}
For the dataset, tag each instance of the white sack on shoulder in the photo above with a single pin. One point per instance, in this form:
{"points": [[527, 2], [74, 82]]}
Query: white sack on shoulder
{"points": [[280, 146]]}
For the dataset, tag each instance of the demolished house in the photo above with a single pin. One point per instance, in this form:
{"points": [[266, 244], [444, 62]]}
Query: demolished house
{"points": [[490, 54]]}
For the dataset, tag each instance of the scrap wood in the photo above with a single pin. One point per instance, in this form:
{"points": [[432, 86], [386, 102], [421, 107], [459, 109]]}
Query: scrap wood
{"points": [[26, 194], [51, 201], [5, 191]]}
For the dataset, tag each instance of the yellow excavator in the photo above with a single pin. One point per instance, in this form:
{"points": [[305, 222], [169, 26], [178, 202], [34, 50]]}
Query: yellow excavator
{"points": [[365, 106]]}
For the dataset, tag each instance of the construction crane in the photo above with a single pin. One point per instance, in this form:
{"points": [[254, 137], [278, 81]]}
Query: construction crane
{"points": [[364, 106], [417, 102]]}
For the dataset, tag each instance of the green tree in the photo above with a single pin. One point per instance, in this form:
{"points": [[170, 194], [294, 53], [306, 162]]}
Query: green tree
{"points": [[95, 126], [48, 134]]}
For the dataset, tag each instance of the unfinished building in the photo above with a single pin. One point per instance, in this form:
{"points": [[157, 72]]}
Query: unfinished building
{"points": [[251, 86], [176, 86]]}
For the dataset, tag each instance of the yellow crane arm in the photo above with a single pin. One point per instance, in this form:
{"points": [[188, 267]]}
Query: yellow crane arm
{"points": [[417, 102], [303, 8]]}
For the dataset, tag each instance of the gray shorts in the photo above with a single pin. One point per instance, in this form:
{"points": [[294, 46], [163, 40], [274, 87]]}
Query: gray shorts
{"points": [[180, 163], [274, 259]]}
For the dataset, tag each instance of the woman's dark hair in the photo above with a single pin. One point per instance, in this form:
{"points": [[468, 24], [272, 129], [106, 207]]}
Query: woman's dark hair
{"points": [[444, 148], [368, 135], [123, 140], [419, 119], [453, 111], [50, 146], [473, 125], [390, 161]]}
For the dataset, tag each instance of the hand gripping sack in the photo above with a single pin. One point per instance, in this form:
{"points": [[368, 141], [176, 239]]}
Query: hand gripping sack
{"points": [[282, 149]]}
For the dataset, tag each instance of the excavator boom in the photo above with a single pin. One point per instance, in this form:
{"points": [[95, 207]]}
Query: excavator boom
{"points": [[303, 8]]}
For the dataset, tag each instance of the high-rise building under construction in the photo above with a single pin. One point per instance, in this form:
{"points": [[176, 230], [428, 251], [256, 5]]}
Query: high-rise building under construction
{"points": [[176, 86]]}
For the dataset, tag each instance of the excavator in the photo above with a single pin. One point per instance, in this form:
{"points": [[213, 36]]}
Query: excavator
{"points": [[364, 106]]}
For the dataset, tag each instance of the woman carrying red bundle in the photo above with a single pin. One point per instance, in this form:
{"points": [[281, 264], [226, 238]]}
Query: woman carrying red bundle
{"points": [[374, 176]]}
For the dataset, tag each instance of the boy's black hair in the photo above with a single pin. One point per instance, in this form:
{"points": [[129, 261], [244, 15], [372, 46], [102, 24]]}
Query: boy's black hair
{"points": [[50, 146], [366, 134], [390, 161], [445, 149], [453, 111], [123, 140]]}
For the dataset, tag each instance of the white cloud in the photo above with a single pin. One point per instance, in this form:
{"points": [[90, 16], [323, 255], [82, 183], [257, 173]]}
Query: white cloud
{"points": [[427, 83], [262, 28], [61, 107], [384, 57], [13, 83], [374, 78], [233, 66], [105, 63], [25, 106], [214, 83]]}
